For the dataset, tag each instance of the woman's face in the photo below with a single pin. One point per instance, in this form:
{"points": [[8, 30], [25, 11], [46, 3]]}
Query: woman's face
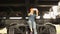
{"points": [[31, 10]]}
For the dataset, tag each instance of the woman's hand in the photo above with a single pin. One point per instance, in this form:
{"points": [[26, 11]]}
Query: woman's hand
{"points": [[37, 17], [28, 14]]}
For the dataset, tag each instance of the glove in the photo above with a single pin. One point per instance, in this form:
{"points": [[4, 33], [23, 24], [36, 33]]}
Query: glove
{"points": [[37, 17]]}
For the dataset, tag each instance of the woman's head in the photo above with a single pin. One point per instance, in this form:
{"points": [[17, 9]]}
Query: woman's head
{"points": [[33, 10]]}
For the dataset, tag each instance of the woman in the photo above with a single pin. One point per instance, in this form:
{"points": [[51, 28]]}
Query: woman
{"points": [[32, 24]]}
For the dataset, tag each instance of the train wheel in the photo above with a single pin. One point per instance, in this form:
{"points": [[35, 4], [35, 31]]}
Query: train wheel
{"points": [[47, 29]]}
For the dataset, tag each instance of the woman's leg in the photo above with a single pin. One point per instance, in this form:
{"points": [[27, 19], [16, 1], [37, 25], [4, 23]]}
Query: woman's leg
{"points": [[30, 25], [34, 27]]}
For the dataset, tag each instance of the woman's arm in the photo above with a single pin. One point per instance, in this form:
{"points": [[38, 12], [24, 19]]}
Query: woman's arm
{"points": [[36, 12], [31, 12], [28, 14]]}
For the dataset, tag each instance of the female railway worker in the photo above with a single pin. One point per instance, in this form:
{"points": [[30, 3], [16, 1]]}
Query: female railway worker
{"points": [[32, 24]]}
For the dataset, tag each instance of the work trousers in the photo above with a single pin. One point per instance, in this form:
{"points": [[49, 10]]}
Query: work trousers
{"points": [[32, 24]]}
